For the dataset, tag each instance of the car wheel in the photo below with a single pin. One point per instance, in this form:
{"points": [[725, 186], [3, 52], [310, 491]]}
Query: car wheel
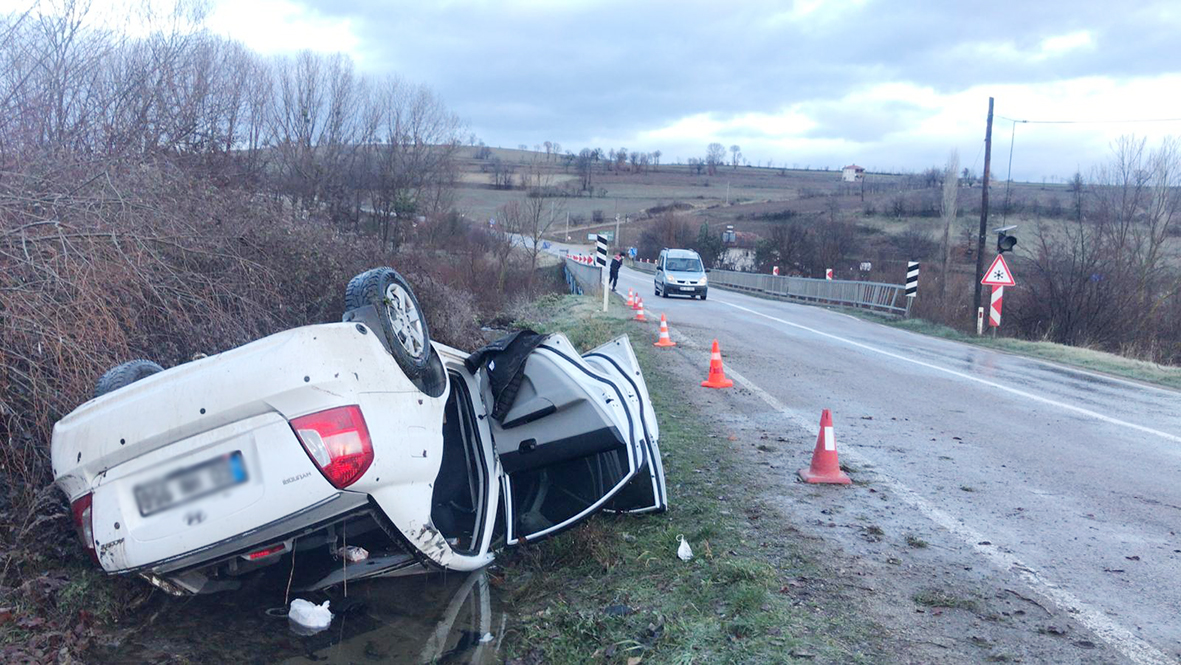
{"points": [[402, 323], [703, 294], [655, 290], [125, 375]]}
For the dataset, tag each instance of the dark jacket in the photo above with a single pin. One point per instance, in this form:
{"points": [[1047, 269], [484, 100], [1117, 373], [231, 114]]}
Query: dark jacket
{"points": [[615, 263]]}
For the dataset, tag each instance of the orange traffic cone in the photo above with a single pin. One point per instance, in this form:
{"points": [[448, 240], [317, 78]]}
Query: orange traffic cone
{"points": [[825, 467], [640, 310], [664, 340], [717, 377], [631, 298]]}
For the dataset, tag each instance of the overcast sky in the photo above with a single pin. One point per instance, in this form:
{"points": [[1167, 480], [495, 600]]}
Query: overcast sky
{"points": [[885, 84]]}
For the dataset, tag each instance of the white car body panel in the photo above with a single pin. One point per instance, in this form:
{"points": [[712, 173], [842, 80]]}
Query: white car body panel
{"points": [[242, 401]]}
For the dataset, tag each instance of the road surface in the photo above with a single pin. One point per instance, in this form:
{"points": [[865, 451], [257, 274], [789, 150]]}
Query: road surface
{"points": [[1068, 479]]}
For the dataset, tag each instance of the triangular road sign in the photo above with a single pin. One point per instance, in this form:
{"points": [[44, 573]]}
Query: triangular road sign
{"points": [[998, 274]]}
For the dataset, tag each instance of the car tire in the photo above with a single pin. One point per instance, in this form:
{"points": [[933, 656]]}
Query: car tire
{"points": [[655, 290], [125, 375], [703, 294], [402, 323]]}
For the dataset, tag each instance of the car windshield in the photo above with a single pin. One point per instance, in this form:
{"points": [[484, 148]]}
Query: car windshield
{"points": [[692, 264]]}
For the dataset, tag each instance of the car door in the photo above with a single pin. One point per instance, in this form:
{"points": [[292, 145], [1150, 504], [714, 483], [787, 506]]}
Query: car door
{"points": [[572, 440], [646, 492], [658, 278]]}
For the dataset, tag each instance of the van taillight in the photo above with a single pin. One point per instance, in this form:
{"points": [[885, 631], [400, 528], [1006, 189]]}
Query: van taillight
{"points": [[338, 442], [80, 508]]}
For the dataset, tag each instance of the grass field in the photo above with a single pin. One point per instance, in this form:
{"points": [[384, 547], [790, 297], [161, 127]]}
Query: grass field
{"points": [[756, 199]]}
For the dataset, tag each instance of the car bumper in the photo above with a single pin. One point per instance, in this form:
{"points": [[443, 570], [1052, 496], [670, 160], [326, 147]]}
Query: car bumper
{"points": [[685, 290]]}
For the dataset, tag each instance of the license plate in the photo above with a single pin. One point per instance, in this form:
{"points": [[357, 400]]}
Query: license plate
{"points": [[192, 483], [686, 288]]}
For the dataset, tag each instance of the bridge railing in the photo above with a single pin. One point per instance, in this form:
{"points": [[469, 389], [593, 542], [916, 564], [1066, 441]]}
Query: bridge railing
{"points": [[869, 295], [877, 296], [583, 278]]}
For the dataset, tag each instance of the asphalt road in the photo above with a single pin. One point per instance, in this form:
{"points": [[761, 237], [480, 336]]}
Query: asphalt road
{"points": [[1068, 479]]}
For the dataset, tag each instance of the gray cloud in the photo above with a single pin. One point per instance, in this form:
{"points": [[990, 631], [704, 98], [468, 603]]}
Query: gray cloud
{"points": [[574, 73]]}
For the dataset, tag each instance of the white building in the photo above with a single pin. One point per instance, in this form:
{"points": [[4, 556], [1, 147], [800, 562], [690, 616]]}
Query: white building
{"points": [[852, 173]]}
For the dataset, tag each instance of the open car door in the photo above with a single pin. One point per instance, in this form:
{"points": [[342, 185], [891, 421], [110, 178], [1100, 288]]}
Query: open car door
{"points": [[646, 492], [569, 435]]}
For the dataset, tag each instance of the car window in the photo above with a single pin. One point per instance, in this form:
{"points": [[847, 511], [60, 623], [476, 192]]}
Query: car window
{"points": [[691, 264]]}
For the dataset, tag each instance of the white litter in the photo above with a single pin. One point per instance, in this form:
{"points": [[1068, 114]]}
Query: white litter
{"points": [[307, 618], [683, 550], [488, 637], [352, 553]]}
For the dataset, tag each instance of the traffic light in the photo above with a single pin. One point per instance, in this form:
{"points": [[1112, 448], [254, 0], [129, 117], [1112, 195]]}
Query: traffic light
{"points": [[1004, 241]]}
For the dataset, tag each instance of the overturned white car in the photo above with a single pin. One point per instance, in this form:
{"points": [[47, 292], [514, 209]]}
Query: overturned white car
{"points": [[360, 433]]}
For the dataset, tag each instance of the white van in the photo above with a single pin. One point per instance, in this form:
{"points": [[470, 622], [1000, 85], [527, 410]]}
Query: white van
{"points": [[680, 272]]}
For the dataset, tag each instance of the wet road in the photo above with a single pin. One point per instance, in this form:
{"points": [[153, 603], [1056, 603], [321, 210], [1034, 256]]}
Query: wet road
{"points": [[1069, 479]]}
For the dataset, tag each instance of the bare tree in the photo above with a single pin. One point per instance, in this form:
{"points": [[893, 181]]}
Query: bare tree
{"points": [[506, 234], [736, 152], [537, 217], [715, 156]]}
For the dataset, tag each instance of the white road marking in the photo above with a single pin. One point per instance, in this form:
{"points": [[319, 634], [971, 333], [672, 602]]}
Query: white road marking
{"points": [[1115, 635], [969, 377]]}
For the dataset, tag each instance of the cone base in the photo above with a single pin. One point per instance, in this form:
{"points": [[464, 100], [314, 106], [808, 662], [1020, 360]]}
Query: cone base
{"points": [[837, 477], [717, 383], [665, 343], [640, 318]]}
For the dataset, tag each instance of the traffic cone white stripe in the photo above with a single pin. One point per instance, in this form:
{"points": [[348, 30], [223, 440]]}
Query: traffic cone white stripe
{"points": [[830, 441]]}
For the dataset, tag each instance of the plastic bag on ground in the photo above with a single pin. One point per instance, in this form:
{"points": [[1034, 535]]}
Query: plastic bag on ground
{"points": [[307, 618], [683, 550]]}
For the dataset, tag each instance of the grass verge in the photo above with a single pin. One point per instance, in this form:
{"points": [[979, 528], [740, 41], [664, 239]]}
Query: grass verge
{"points": [[1074, 356], [613, 589]]}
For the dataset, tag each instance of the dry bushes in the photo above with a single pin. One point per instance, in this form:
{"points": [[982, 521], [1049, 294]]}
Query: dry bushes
{"points": [[144, 261]]}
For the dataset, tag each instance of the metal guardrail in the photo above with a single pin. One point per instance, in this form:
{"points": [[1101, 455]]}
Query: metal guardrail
{"points": [[649, 268], [869, 295], [586, 278]]}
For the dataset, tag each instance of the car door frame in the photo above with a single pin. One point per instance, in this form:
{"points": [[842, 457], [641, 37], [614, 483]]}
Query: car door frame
{"points": [[560, 348]]}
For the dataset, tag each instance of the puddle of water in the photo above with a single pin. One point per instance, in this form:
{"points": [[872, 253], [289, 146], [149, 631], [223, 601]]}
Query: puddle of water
{"points": [[451, 618]]}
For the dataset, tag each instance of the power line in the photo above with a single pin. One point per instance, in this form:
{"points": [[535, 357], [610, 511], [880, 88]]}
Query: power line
{"points": [[1088, 122], [1009, 175]]}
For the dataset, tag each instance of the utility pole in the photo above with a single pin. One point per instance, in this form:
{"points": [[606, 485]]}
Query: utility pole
{"points": [[983, 213], [617, 245]]}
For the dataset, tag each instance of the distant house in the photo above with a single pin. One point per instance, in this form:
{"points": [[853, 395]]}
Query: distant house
{"points": [[852, 173]]}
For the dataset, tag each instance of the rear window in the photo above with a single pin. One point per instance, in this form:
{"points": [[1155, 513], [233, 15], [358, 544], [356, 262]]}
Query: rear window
{"points": [[691, 264]]}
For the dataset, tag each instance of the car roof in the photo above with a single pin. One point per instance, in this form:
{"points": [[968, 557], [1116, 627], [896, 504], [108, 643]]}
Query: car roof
{"points": [[681, 253]]}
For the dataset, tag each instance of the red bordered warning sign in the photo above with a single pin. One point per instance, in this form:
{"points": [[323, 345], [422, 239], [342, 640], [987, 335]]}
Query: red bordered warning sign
{"points": [[998, 274]]}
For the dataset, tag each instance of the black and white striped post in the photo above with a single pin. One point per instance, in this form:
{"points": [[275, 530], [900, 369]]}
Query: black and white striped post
{"points": [[912, 283], [601, 261]]}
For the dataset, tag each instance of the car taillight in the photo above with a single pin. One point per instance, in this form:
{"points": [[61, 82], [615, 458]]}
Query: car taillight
{"points": [[338, 442], [266, 552], [81, 510]]}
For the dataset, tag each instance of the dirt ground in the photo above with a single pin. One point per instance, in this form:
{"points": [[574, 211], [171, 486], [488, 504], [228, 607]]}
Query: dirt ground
{"points": [[937, 602]]}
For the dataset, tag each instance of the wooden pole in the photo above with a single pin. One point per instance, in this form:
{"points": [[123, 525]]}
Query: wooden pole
{"points": [[976, 303]]}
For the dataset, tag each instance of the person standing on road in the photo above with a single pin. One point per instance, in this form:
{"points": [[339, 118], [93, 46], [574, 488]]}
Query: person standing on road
{"points": [[615, 263]]}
